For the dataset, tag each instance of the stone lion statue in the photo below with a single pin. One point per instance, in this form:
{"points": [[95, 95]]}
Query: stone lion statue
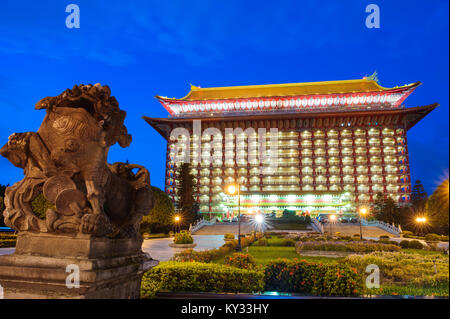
{"points": [[65, 161]]}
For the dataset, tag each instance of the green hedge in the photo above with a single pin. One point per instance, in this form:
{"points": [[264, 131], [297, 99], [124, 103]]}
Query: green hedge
{"points": [[200, 277], [287, 275], [357, 247], [183, 237]]}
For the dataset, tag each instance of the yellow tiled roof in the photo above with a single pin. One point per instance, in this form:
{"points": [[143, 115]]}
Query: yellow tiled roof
{"points": [[289, 89]]}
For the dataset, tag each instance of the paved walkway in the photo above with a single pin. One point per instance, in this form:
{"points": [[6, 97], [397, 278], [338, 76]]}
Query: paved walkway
{"points": [[159, 248], [6, 251], [224, 228]]}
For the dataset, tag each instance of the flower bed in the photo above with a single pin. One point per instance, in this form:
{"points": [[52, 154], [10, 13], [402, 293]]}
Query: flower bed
{"points": [[183, 238], [344, 246], [427, 269], [207, 256], [286, 275], [240, 260], [200, 277]]}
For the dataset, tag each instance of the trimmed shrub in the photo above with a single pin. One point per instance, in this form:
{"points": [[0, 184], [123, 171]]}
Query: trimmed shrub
{"points": [[287, 242], [286, 275], [404, 244], [407, 233], [183, 237], [432, 237], [228, 236], [240, 260], [351, 246], [200, 277], [384, 237], [415, 244], [387, 242], [261, 242]]}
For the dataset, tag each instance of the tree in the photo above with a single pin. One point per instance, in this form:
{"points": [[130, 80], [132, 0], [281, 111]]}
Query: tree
{"points": [[386, 209], [437, 209], [418, 197], [160, 218], [186, 204]]}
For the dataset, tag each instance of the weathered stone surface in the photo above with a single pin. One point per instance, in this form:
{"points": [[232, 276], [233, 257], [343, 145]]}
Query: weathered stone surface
{"points": [[108, 268]]}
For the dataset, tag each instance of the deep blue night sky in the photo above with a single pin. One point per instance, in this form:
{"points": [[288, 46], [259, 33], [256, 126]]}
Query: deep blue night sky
{"points": [[144, 48]]}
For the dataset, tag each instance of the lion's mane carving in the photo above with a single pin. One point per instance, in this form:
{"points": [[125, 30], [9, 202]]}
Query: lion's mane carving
{"points": [[65, 160]]}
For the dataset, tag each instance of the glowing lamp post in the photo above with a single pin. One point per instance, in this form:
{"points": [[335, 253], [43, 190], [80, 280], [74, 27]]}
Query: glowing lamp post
{"points": [[362, 213], [177, 222], [233, 189], [259, 219], [421, 222], [332, 220]]}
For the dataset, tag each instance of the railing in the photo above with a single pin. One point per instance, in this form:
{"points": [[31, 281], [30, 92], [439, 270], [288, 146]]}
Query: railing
{"points": [[385, 226], [317, 225], [201, 223]]}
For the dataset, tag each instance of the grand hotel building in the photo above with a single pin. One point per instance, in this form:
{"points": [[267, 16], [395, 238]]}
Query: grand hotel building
{"points": [[339, 144]]}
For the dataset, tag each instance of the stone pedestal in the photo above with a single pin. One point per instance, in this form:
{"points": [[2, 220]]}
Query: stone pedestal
{"points": [[41, 264]]}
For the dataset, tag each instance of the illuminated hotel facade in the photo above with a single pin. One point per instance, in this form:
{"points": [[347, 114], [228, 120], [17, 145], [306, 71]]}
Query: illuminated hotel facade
{"points": [[339, 143]]}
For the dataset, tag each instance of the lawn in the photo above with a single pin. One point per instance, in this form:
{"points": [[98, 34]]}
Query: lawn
{"points": [[265, 254], [409, 272]]}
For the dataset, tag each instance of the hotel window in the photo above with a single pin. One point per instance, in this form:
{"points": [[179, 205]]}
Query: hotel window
{"points": [[360, 133], [333, 142], [363, 197], [333, 161], [335, 188], [333, 152], [348, 170], [346, 142], [348, 179], [332, 134], [320, 170], [306, 134], [335, 179]]}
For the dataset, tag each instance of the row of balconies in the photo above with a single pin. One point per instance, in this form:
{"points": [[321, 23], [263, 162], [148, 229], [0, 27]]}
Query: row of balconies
{"points": [[296, 162], [296, 141], [308, 135]]}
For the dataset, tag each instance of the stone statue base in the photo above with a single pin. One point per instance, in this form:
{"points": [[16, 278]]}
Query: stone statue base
{"points": [[45, 266]]}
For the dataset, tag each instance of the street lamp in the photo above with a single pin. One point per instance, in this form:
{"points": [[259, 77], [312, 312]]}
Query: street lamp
{"points": [[332, 219], [233, 189], [259, 219], [421, 222], [177, 222], [362, 212]]}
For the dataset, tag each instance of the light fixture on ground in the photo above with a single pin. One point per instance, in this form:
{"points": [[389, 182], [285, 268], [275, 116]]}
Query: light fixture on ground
{"points": [[421, 222], [259, 221], [332, 220], [234, 189], [177, 219], [362, 212]]}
